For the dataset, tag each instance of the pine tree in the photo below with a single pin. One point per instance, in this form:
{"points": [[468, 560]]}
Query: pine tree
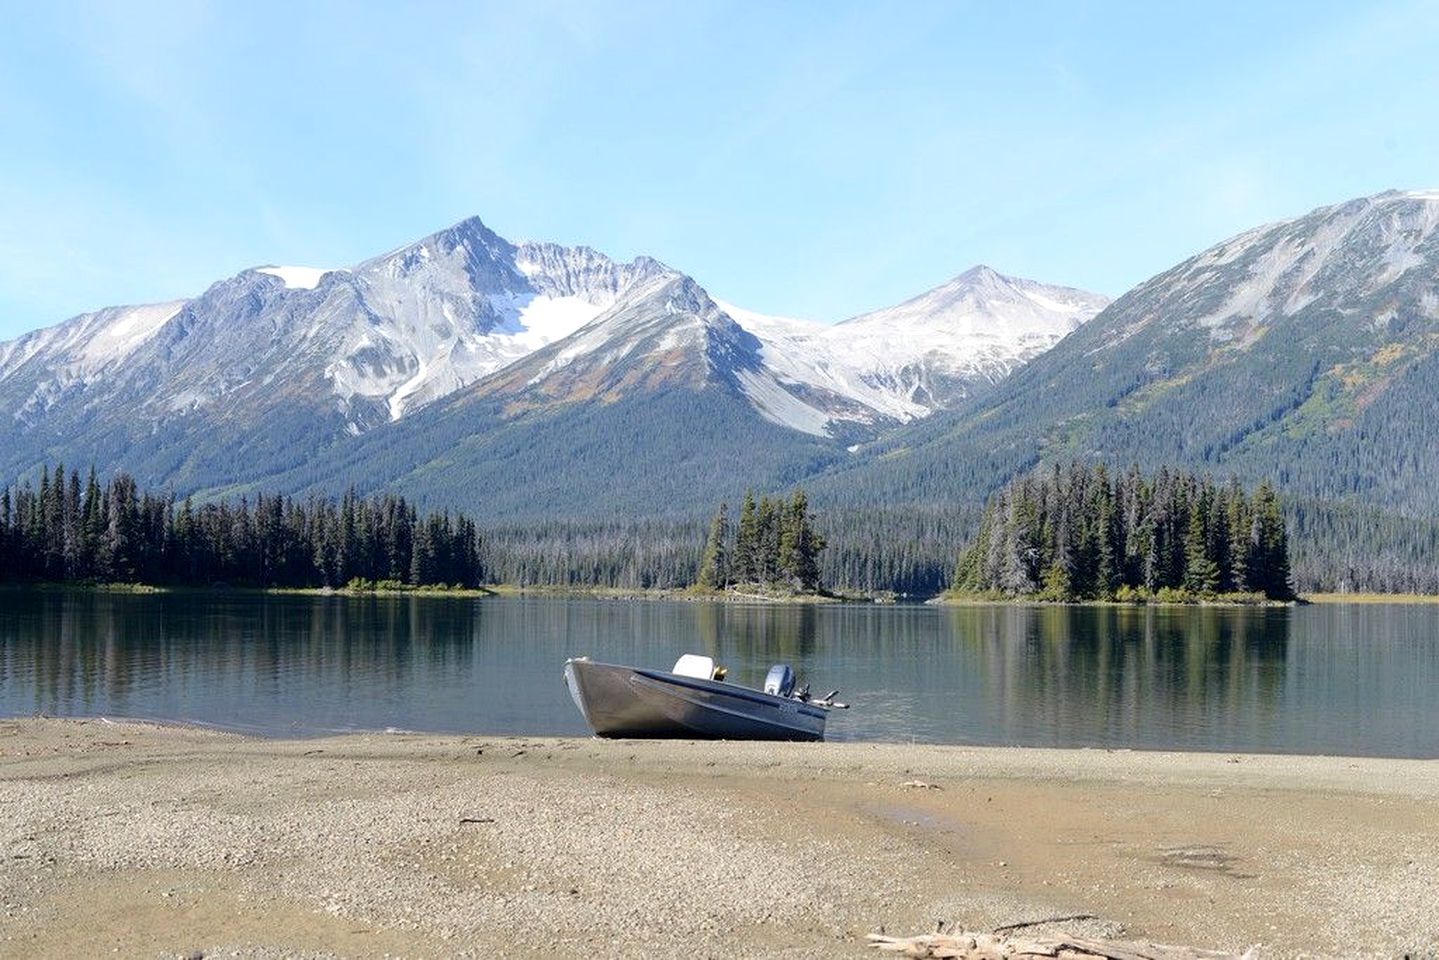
{"points": [[70, 524], [7, 539], [767, 549], [1022, 555], [92, 525], [715, 566], [422, 556]]}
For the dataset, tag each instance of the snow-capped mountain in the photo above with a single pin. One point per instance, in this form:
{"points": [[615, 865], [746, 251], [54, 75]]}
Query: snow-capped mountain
{"points": [[262, 371], [265, 368], [385, 337], [908, 360], [463, 304], [888, 366]]}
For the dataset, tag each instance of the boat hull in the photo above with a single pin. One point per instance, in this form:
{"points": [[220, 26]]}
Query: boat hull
{"points": [[620, 701]]}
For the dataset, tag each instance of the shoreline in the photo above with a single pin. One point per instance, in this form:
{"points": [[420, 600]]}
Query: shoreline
{"points": [[692, 595], [292, 735], [944, 601], [685, 594], [1356, 598], [147, 839]]}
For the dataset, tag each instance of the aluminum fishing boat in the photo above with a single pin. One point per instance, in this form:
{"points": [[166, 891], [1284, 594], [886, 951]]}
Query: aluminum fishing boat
{"points": [[694, 701]]}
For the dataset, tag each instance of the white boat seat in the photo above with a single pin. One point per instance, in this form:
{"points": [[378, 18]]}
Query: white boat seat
{"points": [[694, 665]]}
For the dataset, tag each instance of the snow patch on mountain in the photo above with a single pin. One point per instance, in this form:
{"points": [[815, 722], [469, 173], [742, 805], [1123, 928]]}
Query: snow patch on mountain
{"points": [[535, 321], [296, 278], [131, 327], [528, 323], [84, 347], [617, 331]]}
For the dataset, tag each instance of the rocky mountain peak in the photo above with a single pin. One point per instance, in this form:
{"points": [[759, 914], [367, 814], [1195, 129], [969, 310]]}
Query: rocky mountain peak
{"points": [[1363, 256]]}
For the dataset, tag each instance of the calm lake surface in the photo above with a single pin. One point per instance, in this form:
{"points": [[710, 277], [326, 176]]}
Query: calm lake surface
{"points": [[1334, 679]]}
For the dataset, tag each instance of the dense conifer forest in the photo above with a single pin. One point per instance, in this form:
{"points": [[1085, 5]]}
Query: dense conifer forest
{"points": [[71, 531], [1076, 533], [1344, 548], [84, 531], [774, 545]]}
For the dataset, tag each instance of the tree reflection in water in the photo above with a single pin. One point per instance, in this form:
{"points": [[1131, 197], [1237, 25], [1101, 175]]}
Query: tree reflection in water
{"points": [[1322, 679]]}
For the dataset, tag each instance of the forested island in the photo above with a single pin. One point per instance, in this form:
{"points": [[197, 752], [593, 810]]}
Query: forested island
{"points": [[1076, 533]]}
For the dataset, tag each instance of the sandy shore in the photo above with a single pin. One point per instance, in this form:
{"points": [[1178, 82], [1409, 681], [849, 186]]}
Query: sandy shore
{"points": [[144, 841]]}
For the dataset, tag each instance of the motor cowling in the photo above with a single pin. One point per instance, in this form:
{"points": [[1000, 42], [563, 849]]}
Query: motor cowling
{"points": [[779, 681]]}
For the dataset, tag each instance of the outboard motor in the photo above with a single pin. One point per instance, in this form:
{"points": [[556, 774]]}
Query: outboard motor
{"points": [[779, 681]]}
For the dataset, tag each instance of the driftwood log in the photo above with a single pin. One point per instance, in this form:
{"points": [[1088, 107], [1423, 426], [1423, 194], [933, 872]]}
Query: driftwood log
{"points": [[1012, 946]]}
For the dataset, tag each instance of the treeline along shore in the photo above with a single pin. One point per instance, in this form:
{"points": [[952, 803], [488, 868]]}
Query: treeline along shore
{"points": [[1076, 533], [1073, 533], [69, 531]]}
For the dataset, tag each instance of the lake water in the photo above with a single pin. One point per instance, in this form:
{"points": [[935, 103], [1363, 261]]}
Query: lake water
{"points": [[1335, 679]]}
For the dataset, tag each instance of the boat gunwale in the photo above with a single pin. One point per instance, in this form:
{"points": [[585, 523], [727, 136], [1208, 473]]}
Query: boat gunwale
{"points": [[729, 689]]}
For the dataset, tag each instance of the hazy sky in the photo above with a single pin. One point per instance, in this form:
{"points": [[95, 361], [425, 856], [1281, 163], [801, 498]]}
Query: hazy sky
{"points": [[811, 159]]}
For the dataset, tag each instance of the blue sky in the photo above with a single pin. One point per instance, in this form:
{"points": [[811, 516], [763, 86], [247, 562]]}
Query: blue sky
{"points": [[815, 159]]}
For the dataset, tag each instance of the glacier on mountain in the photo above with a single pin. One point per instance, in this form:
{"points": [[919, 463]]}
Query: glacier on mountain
{"points": [[906, 361]]}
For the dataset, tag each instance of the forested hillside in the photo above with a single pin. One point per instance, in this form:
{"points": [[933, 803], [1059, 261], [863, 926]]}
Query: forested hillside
{"points": [[654, 455], [909, 552]]}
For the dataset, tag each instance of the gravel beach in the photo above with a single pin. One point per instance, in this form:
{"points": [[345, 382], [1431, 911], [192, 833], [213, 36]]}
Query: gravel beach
{"points": [[135, 840]]}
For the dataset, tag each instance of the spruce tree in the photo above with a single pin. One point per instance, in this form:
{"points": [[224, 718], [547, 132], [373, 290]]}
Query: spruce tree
{"points": [[1271, 545], [1237, 529], [1201, 573], [1056, 584], [7, 539], [422, 556], [799, 545], [767, 519], [746, 551]]}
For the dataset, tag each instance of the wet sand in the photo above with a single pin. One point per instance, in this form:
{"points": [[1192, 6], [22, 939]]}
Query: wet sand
{"points": [[144, 841]]}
